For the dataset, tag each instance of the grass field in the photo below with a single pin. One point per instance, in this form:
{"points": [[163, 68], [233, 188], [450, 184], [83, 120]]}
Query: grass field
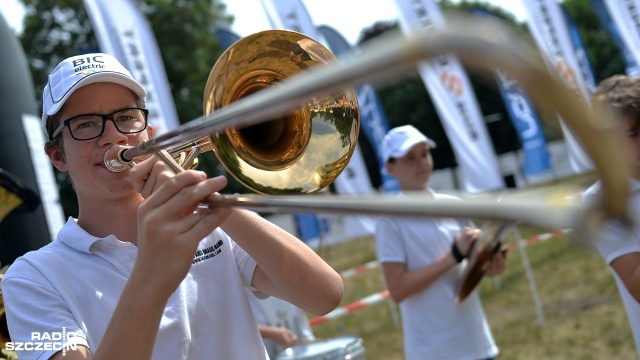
{"points": [[582, 314]]}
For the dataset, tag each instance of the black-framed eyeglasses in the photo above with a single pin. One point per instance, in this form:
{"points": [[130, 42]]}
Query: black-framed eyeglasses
{"points": [[90, 126]]}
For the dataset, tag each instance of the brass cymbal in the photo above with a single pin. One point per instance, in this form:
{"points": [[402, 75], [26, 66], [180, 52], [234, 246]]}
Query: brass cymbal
{"points": [[480, 256]]}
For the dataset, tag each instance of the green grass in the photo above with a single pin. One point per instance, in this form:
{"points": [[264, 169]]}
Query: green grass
{"points": [[584, 317]]}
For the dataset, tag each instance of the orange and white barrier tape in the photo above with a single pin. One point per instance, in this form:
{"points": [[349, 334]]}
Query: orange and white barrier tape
{"points": [[359, 269], [532, 240], [349, 308], [538, 238]]}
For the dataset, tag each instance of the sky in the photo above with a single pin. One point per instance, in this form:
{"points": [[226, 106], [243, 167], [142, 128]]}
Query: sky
{"points": [[348, 17]]}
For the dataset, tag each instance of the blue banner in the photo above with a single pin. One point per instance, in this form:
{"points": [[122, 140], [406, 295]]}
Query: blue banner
{"points": [[226, 37], [600, 9], [581, 52], [373, 121], [308, 227], [525, 120]]}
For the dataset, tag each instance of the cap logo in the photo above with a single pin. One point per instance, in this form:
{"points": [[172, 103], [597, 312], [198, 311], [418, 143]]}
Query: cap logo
{"points": [[88, 63]]}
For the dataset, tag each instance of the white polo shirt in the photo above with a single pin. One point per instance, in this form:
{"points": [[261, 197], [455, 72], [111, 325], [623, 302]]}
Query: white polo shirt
{"points": [[73, 285], [614, 240], [434, 325]]}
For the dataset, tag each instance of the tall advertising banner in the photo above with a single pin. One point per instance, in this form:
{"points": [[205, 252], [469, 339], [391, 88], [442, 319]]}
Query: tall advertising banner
{"points": [[226, 37], [373, 121], [581, 52], [354, 179], [599, 7], [455, 102], [626, 16], [124, 32], [290, 15], [537, 165], [22, 157], [549, 29]]}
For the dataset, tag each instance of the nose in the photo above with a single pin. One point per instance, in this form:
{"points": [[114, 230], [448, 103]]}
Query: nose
{"points": [[111, 135]]}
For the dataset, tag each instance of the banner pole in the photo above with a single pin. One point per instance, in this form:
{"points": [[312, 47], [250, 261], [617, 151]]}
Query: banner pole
{"points": [[529, 273]]}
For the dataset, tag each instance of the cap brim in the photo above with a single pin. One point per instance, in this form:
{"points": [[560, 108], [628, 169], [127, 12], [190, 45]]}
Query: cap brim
{"points": [[409, 145], [107, 77]]}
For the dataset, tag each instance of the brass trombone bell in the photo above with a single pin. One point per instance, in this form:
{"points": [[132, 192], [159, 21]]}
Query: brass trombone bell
{"points": [[302, 152]]}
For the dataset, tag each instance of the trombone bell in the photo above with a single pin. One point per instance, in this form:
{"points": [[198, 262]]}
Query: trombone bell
{"points": [[302, 152]]}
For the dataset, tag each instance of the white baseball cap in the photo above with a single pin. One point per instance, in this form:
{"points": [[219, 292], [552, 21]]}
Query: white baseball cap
{"points": [[78, 71], [400, 140]]}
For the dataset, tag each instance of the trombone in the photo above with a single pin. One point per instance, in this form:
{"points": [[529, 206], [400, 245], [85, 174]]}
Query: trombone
{"points": [[480, 44], [236, 114]]}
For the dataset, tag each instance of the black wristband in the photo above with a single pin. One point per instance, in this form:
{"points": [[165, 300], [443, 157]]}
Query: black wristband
{"points": [[456, 252]]}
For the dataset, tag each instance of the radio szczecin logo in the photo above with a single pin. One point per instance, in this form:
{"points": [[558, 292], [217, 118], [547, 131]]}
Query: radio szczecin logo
{"points": [[43, 341]]}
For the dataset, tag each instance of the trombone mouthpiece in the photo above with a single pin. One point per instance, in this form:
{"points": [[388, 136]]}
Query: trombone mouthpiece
{"points": [[116, 162]]}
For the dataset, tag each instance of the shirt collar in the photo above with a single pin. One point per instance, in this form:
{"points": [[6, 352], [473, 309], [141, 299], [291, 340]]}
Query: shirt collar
{"points": [[78, 238]]}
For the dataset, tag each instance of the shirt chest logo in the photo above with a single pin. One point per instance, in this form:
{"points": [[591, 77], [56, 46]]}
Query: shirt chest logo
{"points": [[208, 252]]}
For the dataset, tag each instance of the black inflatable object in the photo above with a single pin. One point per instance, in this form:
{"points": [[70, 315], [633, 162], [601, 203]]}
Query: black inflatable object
{"points": [[20, 231], [14, 185]]}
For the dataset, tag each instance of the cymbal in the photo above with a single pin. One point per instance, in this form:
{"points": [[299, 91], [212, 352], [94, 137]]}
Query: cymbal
{"points": [[480, 256]]}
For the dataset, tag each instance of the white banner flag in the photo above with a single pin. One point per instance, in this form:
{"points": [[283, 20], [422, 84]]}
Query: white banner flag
{"points": [[123, 32], [455, 102], [626, 15], [354, 179], [549, 29], [290, 15]]}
